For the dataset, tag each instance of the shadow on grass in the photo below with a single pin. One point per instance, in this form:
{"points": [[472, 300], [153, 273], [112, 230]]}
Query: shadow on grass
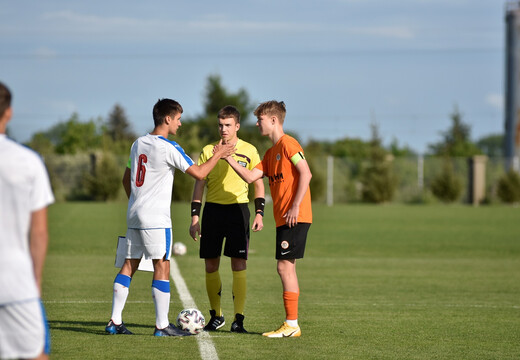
{"points": [[98, 328], [228, 332], [89, 327]]}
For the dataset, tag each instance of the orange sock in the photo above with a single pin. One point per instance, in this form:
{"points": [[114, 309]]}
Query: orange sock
{"points": [[290, 301]]}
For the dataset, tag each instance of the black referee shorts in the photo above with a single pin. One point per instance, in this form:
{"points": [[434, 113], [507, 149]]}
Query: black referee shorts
{"points": [[224, 221]]}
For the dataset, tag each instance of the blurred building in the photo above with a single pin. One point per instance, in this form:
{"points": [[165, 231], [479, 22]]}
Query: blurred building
{"points": [[512, 84]]}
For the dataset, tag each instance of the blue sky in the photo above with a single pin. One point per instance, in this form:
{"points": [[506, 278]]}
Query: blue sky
{"points": [[338, 64]]}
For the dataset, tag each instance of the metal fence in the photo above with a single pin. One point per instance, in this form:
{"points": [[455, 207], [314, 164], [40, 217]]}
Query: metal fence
{"points": [[68, 174], [341, 178], [335, 180]]}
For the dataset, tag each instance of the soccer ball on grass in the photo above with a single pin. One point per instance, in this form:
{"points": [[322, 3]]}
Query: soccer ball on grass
{"points": [[191, 320]]}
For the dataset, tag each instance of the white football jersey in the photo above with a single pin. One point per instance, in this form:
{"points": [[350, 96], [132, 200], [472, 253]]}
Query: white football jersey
{"points": [[24, 188], [153, 161]]}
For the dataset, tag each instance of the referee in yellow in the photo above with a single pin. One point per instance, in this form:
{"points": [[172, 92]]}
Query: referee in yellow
{"points": [[226, 215]]}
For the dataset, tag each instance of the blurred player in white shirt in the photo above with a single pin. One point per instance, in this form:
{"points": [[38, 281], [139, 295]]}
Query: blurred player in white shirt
{"points": [[148, 182], [25, 193]]}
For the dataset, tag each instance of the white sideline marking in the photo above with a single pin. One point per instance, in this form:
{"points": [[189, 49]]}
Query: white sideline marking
{"points": [[206, 347], [484, 306], [94, 302]]}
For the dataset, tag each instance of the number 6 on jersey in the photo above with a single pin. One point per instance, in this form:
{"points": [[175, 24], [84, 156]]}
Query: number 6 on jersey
{"points": [[141, 170]]}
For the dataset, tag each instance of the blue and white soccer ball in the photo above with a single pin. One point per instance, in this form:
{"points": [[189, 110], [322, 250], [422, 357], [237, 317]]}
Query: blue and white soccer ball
{"points": [[179, 248], [191, 320]]}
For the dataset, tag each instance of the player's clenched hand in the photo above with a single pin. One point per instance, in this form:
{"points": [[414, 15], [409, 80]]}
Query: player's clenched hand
{"points": [[195, 230], [258, 223]]}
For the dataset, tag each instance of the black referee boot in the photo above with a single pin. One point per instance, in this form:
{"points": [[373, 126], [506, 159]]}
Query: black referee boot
{"points": [[215, 323], [238, 325]]}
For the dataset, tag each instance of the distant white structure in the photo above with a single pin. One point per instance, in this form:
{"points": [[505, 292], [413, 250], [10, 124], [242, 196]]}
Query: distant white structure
{"points": [[512, 85]]}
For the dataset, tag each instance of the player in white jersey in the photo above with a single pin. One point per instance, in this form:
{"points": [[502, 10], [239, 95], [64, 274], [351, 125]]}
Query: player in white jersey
{"points": [[148, 182], [25, 193]]}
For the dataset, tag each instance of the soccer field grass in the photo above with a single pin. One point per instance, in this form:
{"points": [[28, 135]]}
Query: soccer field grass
{"points": [[377, 282]]}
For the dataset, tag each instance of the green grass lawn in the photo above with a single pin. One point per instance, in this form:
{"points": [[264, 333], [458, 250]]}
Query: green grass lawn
{"points": [[377, 282]]}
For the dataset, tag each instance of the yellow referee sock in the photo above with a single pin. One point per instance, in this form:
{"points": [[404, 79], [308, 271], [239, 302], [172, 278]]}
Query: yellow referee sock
{"points": [[214, 290], [239, 291]]}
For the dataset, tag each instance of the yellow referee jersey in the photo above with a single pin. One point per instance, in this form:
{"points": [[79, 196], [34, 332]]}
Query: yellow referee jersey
{"points": [[223, 183]]}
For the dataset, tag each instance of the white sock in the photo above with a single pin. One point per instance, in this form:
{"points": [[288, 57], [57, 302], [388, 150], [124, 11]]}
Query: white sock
{"points": [[292, 323], [119, 299], [161, 300]]}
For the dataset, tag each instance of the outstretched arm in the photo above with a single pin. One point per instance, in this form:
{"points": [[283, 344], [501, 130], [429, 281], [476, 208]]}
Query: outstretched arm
{"points": [[291, 217], [247, 175], [199, 172]]}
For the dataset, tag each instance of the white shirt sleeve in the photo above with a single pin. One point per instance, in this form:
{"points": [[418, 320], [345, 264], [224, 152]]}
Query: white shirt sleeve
{"points": [[178, 158], [41, 195]]}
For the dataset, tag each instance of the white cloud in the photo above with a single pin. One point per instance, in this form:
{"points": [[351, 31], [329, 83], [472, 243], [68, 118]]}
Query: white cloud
{"points": [[44, 52], [405, 2], [58, 106], [396, 32], [92, 20], [495, 100], [70, 23], [78, 23]]}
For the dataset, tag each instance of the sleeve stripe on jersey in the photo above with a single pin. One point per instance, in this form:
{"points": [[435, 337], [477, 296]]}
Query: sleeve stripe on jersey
{"points": [[179, 149], [243, 156], [297, 157]]}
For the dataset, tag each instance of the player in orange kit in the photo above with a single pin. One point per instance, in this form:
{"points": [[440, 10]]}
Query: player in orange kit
{"points": [[289, 176]]}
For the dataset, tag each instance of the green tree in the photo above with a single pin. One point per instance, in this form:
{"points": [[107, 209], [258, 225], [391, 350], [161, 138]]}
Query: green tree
{"points": [[118, 134], [353, 149], [400, 151], [41, 143], [456, 140], [508, 189], [203, 129], [492, 145], [216, 97], [69, 137], [79, 136], [105, 182], [377, 178], [446, 186], [118, 127]]}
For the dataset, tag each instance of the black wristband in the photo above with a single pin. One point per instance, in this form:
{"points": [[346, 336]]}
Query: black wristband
{"points": [[260, 205], [195, 208]]}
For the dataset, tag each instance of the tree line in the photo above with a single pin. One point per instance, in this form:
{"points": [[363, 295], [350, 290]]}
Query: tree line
{"points": [[112, 138]]}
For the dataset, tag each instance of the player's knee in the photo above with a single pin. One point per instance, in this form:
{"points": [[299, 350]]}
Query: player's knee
{"points": [[285, 267], [238, 264], [212, 265]]}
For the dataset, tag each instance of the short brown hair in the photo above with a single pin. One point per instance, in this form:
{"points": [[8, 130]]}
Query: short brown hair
{"points": [[163, 108], [5, 99], [272, 107], [229, 111]]}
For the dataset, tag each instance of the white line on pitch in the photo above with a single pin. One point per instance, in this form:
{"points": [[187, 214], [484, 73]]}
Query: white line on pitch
{"points": [[483, 306], [206, 347], [94, 302]]}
